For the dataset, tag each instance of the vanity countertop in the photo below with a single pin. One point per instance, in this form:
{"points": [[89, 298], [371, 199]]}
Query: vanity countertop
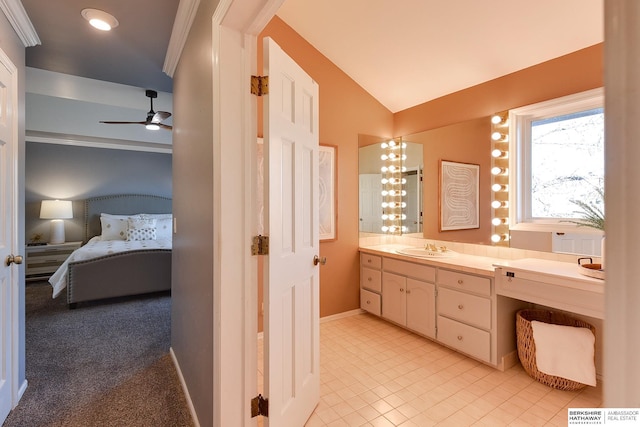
{"points": [[462, 262], [556, 272]]}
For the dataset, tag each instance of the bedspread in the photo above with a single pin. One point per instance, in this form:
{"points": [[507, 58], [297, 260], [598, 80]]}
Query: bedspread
{"points": [[96, 248]]}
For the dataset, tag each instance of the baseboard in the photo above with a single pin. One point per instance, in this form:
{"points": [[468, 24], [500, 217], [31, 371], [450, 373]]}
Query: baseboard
{"points": [[21, 390], [342, 315], [192, 410]]}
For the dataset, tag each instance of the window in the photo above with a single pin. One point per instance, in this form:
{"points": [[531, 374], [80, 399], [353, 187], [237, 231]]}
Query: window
{"points": [[556, 155]]}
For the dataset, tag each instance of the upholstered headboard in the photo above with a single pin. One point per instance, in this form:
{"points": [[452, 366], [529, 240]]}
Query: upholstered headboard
{"points": [[120, 204]]}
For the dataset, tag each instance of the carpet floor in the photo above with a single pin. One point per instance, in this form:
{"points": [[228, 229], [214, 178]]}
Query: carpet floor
{"points": [[102, 364]]}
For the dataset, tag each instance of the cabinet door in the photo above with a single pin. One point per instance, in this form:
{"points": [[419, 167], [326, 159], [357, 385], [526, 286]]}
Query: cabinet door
{"points": [[394, 298], [421, 307]]}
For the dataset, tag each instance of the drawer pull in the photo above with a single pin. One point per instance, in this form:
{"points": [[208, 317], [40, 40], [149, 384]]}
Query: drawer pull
{"points": [[369, 260], [408, 291], [369, 279], [460, 281], [460, 306], [401, 289], [368, 302], [459, 337]]}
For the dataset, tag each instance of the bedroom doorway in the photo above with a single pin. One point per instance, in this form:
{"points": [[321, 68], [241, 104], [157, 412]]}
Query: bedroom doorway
{"points": [[10, 271]]}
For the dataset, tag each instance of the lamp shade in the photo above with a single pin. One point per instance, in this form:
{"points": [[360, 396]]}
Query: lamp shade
{"points": [[56, 209]]}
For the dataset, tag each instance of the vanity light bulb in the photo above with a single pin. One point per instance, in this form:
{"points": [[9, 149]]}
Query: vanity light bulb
{"points": [[497, 238], [404, 145], [385, 228], [392, 229], [497, 204], [497, 119], [405, 228], [391, 217], [392, 168], [392, 143], [498, 171], [385, 217], [384, 169], [499, 187], [404, 180], [391, 205], [384, 180], [384, 192], [384, 145], [498, 136], [404, 169], [403, 204], [404, 157], [498, 153], [392, 181], [384, 204], [384, 157], [391, 193], [403, 193], [498, 221], [403, 217], [391, 156]]}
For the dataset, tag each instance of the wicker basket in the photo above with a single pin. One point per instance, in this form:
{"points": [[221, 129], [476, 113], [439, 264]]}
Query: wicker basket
{"points": [[527, 347]]}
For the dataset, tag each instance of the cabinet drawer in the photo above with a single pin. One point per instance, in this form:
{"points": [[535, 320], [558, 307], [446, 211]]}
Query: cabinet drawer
{"points": [[371, 279], [370, 301], [373, 261], [422, 272], [465, 282], [465, 307], [470, 340]]}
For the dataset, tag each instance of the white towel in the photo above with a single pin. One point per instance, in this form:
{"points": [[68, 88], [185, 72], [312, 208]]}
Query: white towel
{"points": [[565, 351]]}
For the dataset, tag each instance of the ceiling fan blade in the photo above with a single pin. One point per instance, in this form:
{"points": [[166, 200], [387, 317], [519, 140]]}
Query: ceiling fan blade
{"points": [[160, 116], [163, 126], [123, 123]]}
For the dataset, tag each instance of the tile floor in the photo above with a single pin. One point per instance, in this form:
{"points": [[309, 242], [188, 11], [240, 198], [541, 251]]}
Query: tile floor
{"points": [[373, 373]]}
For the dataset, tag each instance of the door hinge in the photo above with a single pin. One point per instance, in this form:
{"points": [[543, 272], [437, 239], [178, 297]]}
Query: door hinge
{"points": [[260, 85], [260, 245], [259, 406]]}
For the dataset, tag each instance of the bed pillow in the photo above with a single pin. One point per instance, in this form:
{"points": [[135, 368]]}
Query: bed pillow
{"points": [[140, 228], [164, 225], [114, 227]]}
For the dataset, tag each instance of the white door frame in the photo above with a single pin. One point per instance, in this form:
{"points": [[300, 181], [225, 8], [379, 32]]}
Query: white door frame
{"points": [[235, 26]]}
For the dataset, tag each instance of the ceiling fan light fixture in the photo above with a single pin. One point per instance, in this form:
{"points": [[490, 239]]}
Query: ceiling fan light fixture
{"points": [[152, 126], [99, 19]]}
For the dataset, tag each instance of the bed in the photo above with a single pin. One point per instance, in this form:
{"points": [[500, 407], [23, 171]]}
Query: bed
{"points": [[108, 266]]}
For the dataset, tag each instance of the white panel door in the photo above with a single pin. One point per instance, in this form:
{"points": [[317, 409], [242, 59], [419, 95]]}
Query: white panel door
{"points": [[394, 298], [8, 232], [421, 307], [292, 316]]}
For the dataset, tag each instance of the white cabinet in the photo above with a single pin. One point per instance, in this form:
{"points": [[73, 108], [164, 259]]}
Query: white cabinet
{"points": [[458, 309], [370, 283], [409, 302], [465, 313]]}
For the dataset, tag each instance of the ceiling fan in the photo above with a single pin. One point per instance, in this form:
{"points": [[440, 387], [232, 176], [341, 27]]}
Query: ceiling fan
{"points": [[154, 119]]}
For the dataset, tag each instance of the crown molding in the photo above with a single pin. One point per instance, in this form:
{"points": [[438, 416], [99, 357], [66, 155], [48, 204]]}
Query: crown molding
{"points": [[19, 20], [185, 15]]}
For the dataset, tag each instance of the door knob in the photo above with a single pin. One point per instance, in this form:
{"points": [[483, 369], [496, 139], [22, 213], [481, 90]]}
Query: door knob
{"points": [[317, 260], [13, 259]]}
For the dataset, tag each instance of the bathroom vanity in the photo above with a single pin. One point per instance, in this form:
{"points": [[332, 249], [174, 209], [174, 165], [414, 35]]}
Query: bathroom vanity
{"points": [[451, 300], [467, 302]]}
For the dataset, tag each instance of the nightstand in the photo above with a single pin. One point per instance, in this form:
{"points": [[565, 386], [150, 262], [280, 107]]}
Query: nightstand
{"points": [[43, 260]]}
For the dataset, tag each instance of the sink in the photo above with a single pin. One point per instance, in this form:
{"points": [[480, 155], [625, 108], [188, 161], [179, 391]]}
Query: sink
{"points": [[427, 253]]}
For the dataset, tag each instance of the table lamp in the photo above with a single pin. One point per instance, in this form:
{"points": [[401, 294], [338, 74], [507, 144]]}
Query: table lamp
{"points": [[57, 211]]}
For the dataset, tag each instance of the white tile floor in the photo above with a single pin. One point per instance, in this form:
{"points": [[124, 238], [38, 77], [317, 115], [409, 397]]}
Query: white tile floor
{"points": [[376, 374]]}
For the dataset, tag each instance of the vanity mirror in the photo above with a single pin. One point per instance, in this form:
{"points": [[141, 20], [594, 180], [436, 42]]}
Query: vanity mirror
{"points": [[390, 182], [466, 142]]}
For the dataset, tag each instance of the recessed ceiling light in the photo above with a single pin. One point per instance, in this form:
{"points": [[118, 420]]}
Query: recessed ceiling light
{"points": [[100, 19]]}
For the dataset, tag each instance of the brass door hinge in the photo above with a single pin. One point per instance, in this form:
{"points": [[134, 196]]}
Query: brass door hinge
{"points": [[260, 85], [260, 245], [259, 406]]}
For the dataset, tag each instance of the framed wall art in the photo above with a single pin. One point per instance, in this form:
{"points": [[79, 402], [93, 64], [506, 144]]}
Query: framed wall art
{"points": [[328, 218], [459, 196]]}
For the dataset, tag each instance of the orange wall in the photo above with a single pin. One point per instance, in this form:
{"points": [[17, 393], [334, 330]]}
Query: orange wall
{"points": [[576, 72], [346, 110]]}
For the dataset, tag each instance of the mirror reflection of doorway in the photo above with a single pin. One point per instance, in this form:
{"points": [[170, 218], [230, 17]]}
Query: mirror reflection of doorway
{"points": [[414, 200]]}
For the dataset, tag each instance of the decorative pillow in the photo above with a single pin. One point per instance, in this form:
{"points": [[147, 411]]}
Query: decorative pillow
{"points": [[164, 228], [114, 227], [140, 228]]}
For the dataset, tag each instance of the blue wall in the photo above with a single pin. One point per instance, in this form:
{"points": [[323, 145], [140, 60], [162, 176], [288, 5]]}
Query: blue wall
{"points": [[74, 173]]}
